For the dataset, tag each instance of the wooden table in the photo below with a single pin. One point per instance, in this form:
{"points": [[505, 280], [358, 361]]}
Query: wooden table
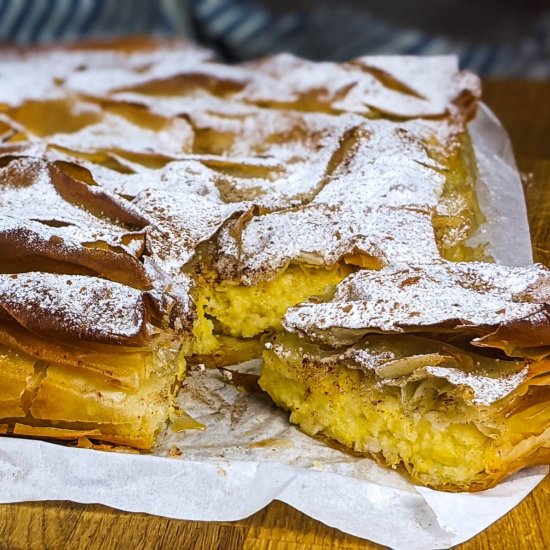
{"points": [[524, 109]]}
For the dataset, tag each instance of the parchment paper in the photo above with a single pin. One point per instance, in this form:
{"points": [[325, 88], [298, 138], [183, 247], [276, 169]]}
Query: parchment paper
{"points": [[249, 454]]}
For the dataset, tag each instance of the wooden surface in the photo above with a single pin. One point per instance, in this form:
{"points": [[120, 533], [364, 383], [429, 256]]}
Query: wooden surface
{"points": [[524, 109]]}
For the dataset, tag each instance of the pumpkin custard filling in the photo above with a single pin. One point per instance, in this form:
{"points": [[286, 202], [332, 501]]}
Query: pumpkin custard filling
{"points": [[159, 208]]}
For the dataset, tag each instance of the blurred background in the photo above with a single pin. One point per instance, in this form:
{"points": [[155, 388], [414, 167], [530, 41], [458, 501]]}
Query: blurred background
{"points": [[491, 37]]}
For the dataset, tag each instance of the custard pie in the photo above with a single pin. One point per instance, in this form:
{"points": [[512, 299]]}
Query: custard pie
{"points": [[158, 208]]}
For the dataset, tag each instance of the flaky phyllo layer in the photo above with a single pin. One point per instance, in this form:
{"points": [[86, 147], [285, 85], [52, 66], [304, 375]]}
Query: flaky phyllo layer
{"points": [[113, 378], [157, 206]]}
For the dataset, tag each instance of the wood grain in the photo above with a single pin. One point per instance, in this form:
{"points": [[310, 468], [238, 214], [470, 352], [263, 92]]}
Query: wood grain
{"points": [[524, 109]]}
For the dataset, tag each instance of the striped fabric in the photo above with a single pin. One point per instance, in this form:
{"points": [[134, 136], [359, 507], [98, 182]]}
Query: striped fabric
{"points": [[42, 21], [243, 29]]}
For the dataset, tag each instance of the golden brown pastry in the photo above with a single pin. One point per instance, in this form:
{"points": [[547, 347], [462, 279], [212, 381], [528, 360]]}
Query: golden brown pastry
{"points": [[156, 204], [81, 356]]}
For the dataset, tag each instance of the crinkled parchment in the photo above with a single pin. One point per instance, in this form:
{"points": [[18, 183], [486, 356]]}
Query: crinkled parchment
{"points": [[249, 454]]}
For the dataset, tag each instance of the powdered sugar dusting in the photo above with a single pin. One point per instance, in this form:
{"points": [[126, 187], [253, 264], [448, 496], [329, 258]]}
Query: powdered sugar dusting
{"points": [[442, 295], [388, 364], [28, 192], [486, 390], [114, 133], [86, 308], [180, 220], [377, 202], [276, 156], [349, 87]]}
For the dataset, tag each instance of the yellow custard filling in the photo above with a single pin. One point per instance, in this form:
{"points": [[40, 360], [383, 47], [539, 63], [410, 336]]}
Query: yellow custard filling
{"points": [[422, 424], [230, 316]]}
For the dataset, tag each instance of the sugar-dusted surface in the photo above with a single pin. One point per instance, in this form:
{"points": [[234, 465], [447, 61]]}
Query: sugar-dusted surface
{"points": [[141, 151], [486, 390], [422, 88], [377, 201], [181, 219], [32, 190], [279, 525], [390, 362], [72, 306], [112, 133], [441, 296]]}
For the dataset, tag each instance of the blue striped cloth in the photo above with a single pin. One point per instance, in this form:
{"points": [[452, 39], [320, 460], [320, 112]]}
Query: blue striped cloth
{"points": [[243, 29], [43, 21]]}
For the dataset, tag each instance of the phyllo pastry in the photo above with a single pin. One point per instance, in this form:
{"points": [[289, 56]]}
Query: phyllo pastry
{"points": [[88, 337], [438, 369], [257, 185], [84, 357], [156, 205]]}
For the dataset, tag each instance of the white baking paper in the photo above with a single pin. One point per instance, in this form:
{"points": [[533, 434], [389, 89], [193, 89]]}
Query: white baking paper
{"points": [[249, 454], [500, 193]]}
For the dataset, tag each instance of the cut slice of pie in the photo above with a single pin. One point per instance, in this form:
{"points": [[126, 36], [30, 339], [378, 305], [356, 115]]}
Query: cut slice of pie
{"points": [[451, 419], [380, 371]]}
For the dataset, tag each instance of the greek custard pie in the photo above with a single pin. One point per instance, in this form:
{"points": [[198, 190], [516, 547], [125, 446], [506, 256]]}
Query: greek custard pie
{"points": [[158, 207]]}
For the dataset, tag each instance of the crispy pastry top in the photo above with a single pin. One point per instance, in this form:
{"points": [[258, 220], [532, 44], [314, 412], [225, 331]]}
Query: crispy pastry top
{"points": [[498, 306], [118, 160]]}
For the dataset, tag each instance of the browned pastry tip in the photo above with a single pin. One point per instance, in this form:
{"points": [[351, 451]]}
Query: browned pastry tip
{"points": [[75, 307]]}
